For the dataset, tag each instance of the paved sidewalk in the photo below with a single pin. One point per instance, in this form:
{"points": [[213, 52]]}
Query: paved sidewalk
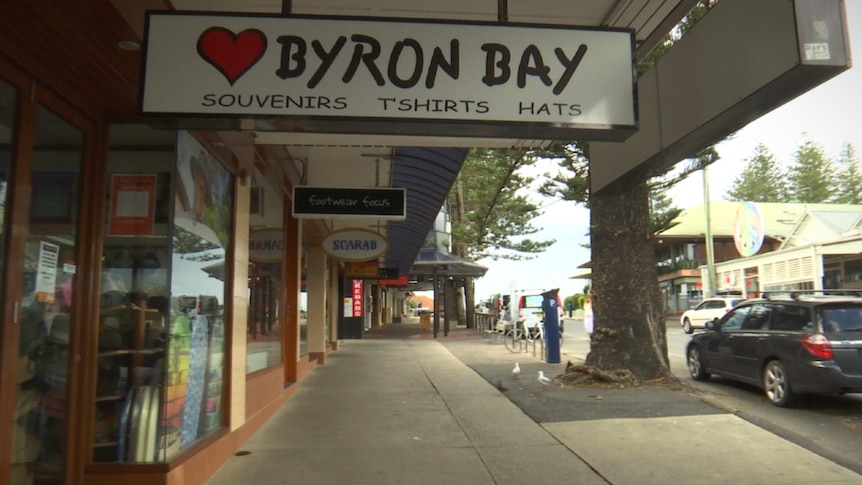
{"points": [[399, 407]]}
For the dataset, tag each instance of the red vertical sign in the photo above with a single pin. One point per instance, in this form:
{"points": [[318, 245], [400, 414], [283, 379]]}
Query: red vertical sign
{"points": [[358, 296]]}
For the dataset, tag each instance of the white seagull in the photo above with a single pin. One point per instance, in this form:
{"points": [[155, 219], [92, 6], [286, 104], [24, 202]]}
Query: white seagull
{"points": [[544, 380], [516, 372]]}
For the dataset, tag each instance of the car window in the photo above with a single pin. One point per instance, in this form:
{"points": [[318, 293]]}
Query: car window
{"points": [[716, 304], [533, 301], [842, 319], [734, 319], [758, 317], [703, 305], [789, 317]]}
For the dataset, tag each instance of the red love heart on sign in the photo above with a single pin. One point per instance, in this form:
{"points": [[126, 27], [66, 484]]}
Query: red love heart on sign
{"points": [[232, 54]]}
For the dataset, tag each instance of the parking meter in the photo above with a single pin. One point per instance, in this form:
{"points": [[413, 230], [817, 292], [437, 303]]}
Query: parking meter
{"points": [[551, 315]]}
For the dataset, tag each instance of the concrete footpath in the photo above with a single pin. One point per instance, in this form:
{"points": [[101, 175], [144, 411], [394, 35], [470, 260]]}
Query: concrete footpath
{"points": [[399, 407]]}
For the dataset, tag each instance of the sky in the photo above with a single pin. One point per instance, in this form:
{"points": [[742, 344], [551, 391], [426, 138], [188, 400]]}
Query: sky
{"points": [[827, 115]]}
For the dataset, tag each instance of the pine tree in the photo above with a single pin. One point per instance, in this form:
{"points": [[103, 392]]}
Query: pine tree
{"points": [[811, 178], [632, 336], [662, 210], [762, 179], [500, 214], [490, 214], [849, 180]]}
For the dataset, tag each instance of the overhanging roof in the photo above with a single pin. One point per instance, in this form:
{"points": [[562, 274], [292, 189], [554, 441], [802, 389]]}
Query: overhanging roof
{"points": [[584, 274], [431, 261], [778, 218], [427, 174], [90, 36], [649, 19]]}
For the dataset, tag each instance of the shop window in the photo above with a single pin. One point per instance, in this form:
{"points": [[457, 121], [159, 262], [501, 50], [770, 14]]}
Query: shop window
{"points": [[265, 286], [46, 327], [303, 307], [256, 200], [853, 270], [832, 279], [160, 371], [194, 365], [8, 99], [134, 312]]}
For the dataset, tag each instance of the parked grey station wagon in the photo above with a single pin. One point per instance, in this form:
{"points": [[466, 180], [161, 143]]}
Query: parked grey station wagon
{"points": [[788, 343]]}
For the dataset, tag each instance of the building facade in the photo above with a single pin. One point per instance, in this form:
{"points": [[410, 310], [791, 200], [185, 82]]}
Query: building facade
{"points": [[805, 246], [163, 291]]}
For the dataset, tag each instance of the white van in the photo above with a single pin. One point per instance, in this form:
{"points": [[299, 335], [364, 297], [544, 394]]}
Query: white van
{"points": [[530, 307], [500, 306]]}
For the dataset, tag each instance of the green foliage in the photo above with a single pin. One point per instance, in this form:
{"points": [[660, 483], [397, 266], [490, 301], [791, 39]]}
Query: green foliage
{"points": [[489, 181], [194, 248], [571, 182], [810, 179], [849, 179], [500, 212], [762, 180], [662, 211], [577, 301], [686, 24]]}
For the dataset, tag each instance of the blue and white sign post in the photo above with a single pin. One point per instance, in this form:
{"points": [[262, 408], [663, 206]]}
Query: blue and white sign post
{"points": [[551, 334]]}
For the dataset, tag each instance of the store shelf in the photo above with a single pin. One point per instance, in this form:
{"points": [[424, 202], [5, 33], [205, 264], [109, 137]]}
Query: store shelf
{"points": [[131, 343]]}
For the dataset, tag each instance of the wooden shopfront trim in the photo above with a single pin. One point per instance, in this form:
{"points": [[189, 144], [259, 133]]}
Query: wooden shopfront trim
{"points": [[15, 238], [33, 94]]}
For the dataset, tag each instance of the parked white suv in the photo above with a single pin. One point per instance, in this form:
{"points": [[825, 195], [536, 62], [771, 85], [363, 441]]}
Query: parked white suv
{"points": [[709, 310]]}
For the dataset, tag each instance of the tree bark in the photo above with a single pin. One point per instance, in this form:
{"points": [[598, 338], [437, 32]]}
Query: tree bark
{"points": [[629, 318], [464, 297], [470, 301]]}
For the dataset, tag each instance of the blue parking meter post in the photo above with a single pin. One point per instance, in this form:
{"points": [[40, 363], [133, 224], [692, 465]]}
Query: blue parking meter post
{"points": [[551, 315]]}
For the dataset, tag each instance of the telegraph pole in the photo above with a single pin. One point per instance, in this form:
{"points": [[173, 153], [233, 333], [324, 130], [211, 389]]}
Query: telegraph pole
{"points": [[709, 289]]}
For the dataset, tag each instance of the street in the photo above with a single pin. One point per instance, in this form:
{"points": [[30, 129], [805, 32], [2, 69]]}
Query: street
{"points": [[829, 426]]}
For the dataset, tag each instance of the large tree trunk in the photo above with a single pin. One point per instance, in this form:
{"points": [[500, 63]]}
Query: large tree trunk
{"points": [[470, 301], [629, 318], [465, 296], [456, 300]]}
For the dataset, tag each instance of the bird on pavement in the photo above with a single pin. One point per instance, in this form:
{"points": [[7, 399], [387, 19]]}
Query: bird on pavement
{"points": [[500, 387], [516, 372], [544, 380]]}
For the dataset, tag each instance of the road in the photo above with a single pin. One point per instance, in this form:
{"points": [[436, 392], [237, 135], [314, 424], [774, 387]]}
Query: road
{"points": [[829, 426]]}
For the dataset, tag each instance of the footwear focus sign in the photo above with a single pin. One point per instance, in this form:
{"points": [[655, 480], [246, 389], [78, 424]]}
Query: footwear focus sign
{"points": [[317, 202], [493, 77]]}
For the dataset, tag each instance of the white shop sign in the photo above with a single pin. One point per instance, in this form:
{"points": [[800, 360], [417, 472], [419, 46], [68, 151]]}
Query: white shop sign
{"points": [[414, 70], [266, 245], [355, 245]]}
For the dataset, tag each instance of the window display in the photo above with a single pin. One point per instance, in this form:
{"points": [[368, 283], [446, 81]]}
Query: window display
{"points": [[161, 328], [194, 366]]}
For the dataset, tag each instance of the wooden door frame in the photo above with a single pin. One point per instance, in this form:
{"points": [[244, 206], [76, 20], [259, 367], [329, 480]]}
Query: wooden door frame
{"points": [[81, 384]]}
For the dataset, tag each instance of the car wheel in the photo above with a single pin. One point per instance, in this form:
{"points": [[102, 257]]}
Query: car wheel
{"points": [[696, 365], [686, 326], [776, 385]]}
